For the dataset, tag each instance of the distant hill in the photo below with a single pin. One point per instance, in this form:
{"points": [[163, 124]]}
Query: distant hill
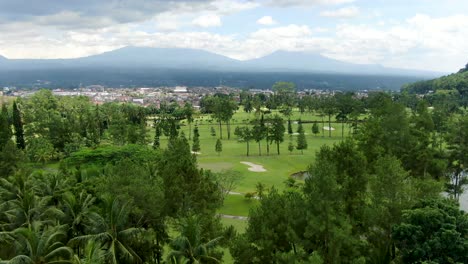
{"points": [[456, 81], [314, 62], [169, 58], [164, 66]]}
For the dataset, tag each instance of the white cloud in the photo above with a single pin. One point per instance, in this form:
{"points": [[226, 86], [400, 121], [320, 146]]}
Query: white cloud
{"points": [[345, 12], [206, 21], [266, 21], [421, 41], [286, 3], [233, 6]]}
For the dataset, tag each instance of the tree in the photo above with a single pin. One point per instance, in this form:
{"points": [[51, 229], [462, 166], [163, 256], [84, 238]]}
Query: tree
{"points": [[290, 147], [391, 192], [186, 188], [329, 107], [285, 95], [18, 125], [328, 228], [212, 132], [10, 158], [458, 158], [434, 230], [188, 111], [196, 140], [5, 128], [40, 150], [192, 246], [42, 245], [315, 128], [113, 233], [228, 180], [244, 134], [275, 226], [290, 130], [219, 146], [222, 111], [157, 135], [277, 131], [259, 133], [301, 139]]}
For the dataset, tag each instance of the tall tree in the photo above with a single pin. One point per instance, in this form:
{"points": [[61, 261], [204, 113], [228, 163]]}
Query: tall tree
{"points": [[188, 111], [315, 128], [196, 140], [244, 134], [434, 231], [113, 233], [5, 128], [18, 125], [219, 146], [157, 135], [301, 139], [458, 157], [277, 131], [259, 133]]}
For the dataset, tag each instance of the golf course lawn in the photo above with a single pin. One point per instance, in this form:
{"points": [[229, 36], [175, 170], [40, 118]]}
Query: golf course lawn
{"points": [[278, 167]]}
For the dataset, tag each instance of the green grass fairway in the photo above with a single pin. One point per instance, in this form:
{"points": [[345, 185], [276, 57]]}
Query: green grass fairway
{"points": [[237, 205], [240, 225], [278, 167]]}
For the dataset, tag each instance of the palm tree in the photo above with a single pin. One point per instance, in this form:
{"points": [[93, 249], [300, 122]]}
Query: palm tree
{"points": [[79, 212], [38, 245], [112, 233], [93, 254], [22, 206], [190, 247]]}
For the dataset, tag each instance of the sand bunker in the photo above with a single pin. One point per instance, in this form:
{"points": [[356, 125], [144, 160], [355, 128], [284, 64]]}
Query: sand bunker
{"points": [[196, 153], [254, 167], [328, 128]]}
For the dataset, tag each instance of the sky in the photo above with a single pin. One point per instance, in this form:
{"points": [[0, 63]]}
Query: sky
{"points": [[413, 34]]}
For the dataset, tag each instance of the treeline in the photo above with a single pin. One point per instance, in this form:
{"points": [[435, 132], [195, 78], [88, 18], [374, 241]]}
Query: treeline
{"points": [[454, 86], [373, 198]]}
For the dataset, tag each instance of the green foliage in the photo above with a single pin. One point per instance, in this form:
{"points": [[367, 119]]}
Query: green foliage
{"points": [[10, 159], [196, 140], [244, 134], [192, 245], [315, 129], [434, 230], [458, 158], [219, 146], [5, 128], [112, 154], [40, 150], [276, 133], [301, 139], [290, 147]]}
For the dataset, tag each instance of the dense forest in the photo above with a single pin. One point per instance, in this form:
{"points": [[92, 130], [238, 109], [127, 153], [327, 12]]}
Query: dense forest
{"points": [[455, 85], [138, 77], [127, 188]]}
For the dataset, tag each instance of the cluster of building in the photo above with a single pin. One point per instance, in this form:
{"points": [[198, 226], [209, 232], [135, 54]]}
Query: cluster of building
{"points": [[145, 96], [155, 96]]}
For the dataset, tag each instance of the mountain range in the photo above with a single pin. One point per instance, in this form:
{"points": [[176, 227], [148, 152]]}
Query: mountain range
{"points": [[192, 59]]}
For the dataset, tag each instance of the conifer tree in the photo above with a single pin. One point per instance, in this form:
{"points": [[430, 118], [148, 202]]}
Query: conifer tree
{"points": [[219, 146], [18, 124], [5, 128], [196, 140], [315, 129], [157, 135], [301, 139]]}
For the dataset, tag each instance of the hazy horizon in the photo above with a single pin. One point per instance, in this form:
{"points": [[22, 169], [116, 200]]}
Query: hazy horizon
{"points": [[421, 34]]}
